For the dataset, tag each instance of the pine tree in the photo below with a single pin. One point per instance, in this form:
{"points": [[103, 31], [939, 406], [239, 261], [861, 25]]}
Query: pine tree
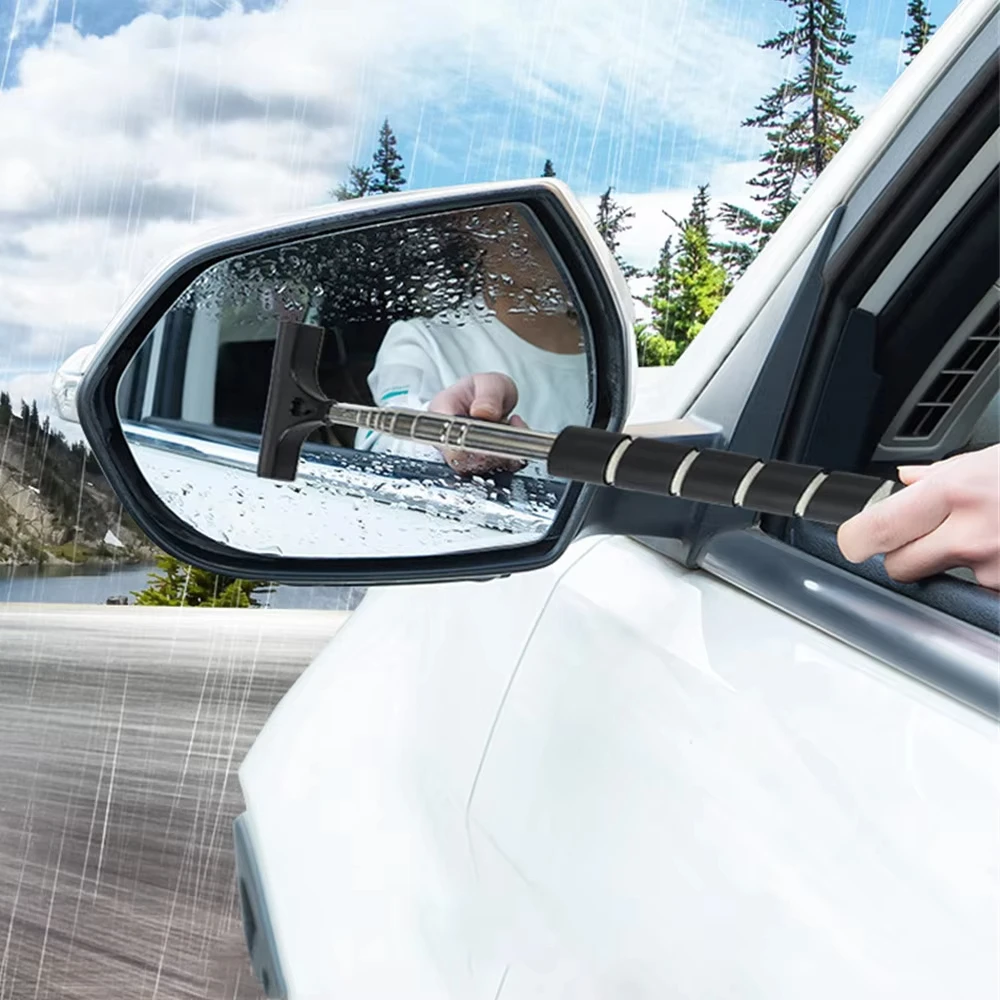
{"points": [[359, 184], [178, 585], [654, 350], [548, 170], [920, 29], [383, 176], [698, 281], [612, 222], [807, 118], [658, 299], [387, 164], [6, 410], [654, 343], [734, 256]]}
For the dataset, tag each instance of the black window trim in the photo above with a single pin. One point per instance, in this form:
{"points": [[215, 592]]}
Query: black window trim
{"points": [[168, 391]]}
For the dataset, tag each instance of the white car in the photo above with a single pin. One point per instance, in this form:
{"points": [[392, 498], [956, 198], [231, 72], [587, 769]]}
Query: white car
{"points": [[697, 754]]}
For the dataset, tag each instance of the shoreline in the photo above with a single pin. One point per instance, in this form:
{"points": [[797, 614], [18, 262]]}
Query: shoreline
{"points": [[82, 564]]}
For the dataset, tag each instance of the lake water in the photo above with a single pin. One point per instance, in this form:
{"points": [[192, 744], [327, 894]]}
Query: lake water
{"points": [[95, 584]]}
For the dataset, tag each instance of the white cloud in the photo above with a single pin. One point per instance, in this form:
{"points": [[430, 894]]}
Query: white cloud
{"points": [[118, 149], [34, 12]]}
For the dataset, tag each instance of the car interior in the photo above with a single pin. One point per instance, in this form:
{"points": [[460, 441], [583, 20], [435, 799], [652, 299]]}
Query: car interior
{"points": [[157, 390], [913, 375], [243, 376]]}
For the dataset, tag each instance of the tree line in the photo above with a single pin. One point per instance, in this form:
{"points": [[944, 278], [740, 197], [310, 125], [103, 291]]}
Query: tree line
{"points": [[41, 459], [806, 119], [50, 463]]}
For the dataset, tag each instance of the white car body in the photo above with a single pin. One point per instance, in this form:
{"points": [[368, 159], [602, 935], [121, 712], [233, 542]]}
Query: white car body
{"points": [[620, 778]]}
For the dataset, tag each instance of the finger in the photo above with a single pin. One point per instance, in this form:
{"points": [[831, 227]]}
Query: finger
{"points": [[910, 474], [988, 574], [892, 523], [926, 556], [914, 473], [473, 464], [516, 421], [494, 396]]}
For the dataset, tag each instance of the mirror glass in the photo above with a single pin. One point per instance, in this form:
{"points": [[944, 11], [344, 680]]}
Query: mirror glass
{"points": [[467, 313]]}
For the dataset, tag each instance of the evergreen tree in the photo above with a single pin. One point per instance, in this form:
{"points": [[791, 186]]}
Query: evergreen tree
{"points": [[689, 283], [612, 222], [658, 299], [548, 170], [698, 282], [6, 410], [177, 585], [653, 349], [734, 256], [387, 164], [807, 118], [383, 176], [920, 30], [359, 184]]}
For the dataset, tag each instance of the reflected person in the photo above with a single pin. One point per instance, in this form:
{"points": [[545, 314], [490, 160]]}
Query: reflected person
{"points": [[514, 352]]}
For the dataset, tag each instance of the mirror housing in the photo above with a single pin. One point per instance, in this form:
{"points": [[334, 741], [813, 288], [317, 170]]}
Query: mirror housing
{"points": [[603, 298], [66, 383]]}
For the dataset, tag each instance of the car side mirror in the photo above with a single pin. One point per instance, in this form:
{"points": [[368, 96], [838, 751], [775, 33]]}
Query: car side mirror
{"points": [[497, 301]]}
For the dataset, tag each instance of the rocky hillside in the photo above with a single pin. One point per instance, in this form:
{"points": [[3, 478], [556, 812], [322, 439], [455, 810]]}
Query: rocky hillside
{"points": [[55, 506]]}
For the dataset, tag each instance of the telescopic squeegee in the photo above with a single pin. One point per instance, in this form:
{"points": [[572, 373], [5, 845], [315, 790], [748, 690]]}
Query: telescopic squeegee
{"points": [[297, 406]]}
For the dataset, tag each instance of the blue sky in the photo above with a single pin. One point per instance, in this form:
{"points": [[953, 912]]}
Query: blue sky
{"points": [[131, 125]]}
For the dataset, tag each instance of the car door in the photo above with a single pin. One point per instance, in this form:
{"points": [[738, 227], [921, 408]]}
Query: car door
{"points": [[766, 773]]}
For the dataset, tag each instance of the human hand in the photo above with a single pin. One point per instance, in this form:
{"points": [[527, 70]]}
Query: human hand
{"points": [[948, 516], [487, 396]]}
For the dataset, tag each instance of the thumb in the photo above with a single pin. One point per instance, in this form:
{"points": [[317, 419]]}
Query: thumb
{"points": [[494, 396]]}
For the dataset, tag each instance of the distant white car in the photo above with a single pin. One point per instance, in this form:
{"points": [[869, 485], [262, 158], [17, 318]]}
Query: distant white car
{"points": [[712, 759]]}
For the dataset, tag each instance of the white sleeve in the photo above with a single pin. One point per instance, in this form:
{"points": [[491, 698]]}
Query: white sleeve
{"points": [[407, 375]]}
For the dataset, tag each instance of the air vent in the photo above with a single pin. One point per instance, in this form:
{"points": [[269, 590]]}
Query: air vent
{"points": [[951, 384], [941, 414]]}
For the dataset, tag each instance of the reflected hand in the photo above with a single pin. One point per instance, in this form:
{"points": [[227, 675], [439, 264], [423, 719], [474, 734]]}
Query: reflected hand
{"points": [[948, 516], [488, 396]]}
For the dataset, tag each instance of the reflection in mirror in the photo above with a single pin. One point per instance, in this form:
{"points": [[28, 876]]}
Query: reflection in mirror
{"points": [[466, 313]]}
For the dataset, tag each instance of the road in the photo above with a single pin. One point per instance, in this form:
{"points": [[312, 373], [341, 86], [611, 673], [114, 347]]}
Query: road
{"points": [[121, 730]]}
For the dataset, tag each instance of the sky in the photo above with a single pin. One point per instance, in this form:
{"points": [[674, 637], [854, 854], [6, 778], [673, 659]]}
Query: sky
{"points": [[130, 127]]}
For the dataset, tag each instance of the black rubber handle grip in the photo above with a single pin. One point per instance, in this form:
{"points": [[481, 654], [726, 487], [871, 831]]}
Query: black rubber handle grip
{"points": [[723, 478]]}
